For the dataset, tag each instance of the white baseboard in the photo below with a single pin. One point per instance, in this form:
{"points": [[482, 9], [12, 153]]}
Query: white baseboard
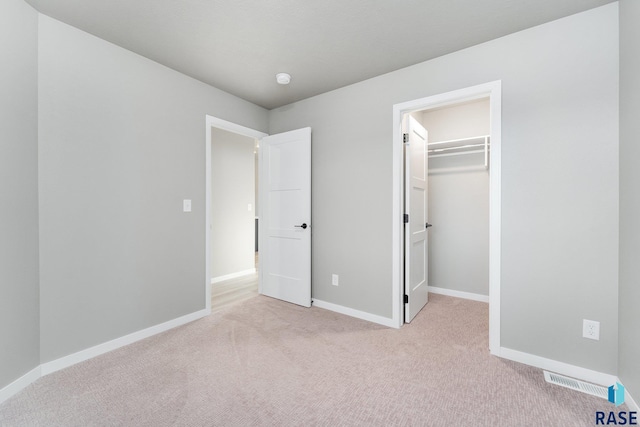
{"points": [[385, 321], [20, 383], [66, 361], [558, 367], [81, 356], [459, 294], [233, 275]]}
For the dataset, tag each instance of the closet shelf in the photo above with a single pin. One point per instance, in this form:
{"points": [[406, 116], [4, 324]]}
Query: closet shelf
{"points": [[456, 147]]}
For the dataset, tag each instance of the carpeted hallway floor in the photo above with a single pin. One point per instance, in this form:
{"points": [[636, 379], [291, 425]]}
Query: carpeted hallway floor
{"points": [[268, 363]]}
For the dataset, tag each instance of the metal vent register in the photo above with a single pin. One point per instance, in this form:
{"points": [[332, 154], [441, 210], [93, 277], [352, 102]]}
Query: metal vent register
{"points": [[577, 385]]}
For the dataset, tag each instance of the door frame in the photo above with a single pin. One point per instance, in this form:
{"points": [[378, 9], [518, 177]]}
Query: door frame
{"points": [[214, 122], [493, 90]]}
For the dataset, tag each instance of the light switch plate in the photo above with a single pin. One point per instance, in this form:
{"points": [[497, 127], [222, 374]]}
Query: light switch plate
{"points": [[186, 205]]}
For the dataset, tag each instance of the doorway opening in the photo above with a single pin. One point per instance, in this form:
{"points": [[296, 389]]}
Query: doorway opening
{"points": [[234, 220], [283, 211], [232, 213], [449, 166]]}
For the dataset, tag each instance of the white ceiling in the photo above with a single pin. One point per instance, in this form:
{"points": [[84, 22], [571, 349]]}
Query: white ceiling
{"points": [[239, 45]]}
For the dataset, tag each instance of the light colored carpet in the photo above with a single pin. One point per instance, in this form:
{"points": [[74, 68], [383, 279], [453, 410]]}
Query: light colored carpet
{"points": [[266, 362]]}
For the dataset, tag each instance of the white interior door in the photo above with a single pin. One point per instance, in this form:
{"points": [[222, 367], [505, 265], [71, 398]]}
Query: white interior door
{"points": [[416, 242], [285, 223]]}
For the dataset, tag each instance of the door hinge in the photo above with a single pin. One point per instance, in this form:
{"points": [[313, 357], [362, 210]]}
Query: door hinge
{"points": [[406, 299], [405, 137], [405, 219]]}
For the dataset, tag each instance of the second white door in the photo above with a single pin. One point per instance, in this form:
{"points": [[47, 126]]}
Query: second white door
{"points": [[416, 226], [285, 220]]}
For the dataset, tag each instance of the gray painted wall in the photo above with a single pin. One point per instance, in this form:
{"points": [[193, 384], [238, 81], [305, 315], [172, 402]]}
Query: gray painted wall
{"points": [[122, 143], [459, 201], [629, 195], [559, 181], [19, 301], [232, 189], [464, 120]]}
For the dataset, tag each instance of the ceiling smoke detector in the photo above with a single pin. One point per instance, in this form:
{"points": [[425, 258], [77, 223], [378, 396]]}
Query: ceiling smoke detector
{"points": [[283, 78]]}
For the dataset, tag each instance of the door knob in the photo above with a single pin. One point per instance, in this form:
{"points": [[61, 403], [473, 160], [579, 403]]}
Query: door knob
{"points": [[427, 225], [303, 226]]}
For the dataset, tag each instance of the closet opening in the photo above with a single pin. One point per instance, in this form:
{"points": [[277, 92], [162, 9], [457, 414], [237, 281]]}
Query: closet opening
{"points": [[458, 198], [447, 189]]}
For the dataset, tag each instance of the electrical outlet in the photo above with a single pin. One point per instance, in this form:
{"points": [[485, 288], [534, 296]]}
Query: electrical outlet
{"points": [[591, 329], [335, 280]]}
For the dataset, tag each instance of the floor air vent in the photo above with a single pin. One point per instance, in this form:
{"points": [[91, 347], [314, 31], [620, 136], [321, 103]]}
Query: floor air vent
{"points": [[577, 385]]}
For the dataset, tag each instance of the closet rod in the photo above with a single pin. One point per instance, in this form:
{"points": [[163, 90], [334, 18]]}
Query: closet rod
{"points": [[459, 140], [456, 154], [460, 147]]}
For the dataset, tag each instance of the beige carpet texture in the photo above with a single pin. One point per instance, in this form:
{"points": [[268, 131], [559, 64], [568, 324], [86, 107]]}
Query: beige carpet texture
{"points": [[264, 362]]}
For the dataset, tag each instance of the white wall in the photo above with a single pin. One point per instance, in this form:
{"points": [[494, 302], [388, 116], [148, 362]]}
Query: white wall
{"points": [[122, 143], [629, 196], [232, 190], [464, 120], [559, 181], [459, 202], [19, 305]]}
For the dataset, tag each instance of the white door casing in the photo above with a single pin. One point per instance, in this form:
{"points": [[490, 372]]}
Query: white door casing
{"points": [[285, 221], [416, 230], [494, 91]]}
